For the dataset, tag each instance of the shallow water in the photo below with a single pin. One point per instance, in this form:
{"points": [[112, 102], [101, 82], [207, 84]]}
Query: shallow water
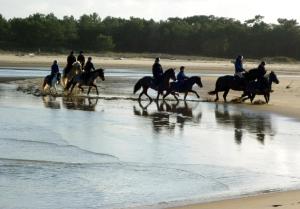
{"points": [[95, 153], [127, 73]]}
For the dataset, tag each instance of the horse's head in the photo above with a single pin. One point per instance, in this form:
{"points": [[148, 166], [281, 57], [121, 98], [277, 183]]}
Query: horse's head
{"points": [[198, 81], [273, 77], [170, 74], [101, 73], [76, 67]]}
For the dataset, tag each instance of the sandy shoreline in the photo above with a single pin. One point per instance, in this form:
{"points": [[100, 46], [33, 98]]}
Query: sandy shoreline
{"points": [[282, 200], [284, 101]]}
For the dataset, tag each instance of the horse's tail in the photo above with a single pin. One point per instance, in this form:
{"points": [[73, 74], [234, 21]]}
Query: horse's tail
{"points": [[137, 86], [212, 92], [44, 84]]}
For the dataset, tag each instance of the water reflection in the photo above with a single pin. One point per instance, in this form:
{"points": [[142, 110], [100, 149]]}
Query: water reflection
{"points": [[80, 103], [51, 102], [260, 125], [168, 115], [73, 103]]}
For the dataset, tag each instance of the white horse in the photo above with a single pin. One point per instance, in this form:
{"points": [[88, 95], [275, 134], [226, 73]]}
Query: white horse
{"points": [[71, 73], [52, 83]]}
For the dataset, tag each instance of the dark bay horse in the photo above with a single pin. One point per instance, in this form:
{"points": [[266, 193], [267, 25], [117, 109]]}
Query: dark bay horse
{"points": [[86, 79], [227, 82], [52, 81], [148, 82], [261, 87], [185, 88]]}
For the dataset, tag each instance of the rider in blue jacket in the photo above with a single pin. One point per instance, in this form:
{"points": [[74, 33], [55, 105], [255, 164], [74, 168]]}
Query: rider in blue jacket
{"points": [[239, 69], [54, 68], [181, 77]]}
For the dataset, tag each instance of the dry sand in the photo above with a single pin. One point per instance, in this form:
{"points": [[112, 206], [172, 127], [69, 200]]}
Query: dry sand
{"points": [[285, 100]]}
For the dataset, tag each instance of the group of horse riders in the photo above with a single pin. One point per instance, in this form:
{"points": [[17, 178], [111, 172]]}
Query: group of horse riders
{"points": [[239, 74], [239, 79], [86, 67]]}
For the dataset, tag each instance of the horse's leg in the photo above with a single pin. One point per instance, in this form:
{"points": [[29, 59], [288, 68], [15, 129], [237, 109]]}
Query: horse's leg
{"points": [[225, 94], [167, 93], [252, 97], [73, 85], [80, 87], [96, 88], [195, 93], [217, 96], [146, 93], [158, 93], [266, 98], [185, 95], [89, 90]]}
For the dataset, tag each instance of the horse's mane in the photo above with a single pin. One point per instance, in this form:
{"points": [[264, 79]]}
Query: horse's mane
{"points": [[98, 70], [170, 69]]}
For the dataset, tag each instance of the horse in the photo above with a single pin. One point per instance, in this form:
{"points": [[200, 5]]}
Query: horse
{"points": [[86, 79], [52, 81], [261, 87], [185, 88], [227, 82], [254, 74], [70, 72], [149, 82]]}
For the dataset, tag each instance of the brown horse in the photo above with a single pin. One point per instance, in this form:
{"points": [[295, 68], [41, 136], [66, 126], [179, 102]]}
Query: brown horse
{"points": [[86, 79], [148, 82]]}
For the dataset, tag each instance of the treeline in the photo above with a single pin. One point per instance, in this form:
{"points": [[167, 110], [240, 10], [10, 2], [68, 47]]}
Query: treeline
{"points": [[198, 35]]}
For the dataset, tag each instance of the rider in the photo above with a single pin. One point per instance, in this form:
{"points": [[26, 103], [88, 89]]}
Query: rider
{"points": [[157, 71], [54, 69], [181, 77], [89, 66], [262, 69], [81, 59], [71, 59], [239, 70], [262, 72]]}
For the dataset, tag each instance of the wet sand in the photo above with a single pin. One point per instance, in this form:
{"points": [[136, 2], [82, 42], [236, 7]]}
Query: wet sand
{"points": [[282, 200], [284, 101]]}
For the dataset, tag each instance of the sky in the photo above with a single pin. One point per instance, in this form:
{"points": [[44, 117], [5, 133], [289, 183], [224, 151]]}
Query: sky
{"points": [[155, 9]]}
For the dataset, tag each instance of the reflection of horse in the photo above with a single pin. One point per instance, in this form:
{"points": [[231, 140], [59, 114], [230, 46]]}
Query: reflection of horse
{"points": [[148, 82], [227, 82], [70, 72], [80, 103], [161, 117], [185, 88], [261, 87], [86, 79], [241, 121], [51, 102], [52, 81]]}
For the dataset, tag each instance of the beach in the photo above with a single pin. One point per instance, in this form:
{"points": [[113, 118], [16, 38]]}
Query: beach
{"points": [[284, 101], [284, 200]]}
